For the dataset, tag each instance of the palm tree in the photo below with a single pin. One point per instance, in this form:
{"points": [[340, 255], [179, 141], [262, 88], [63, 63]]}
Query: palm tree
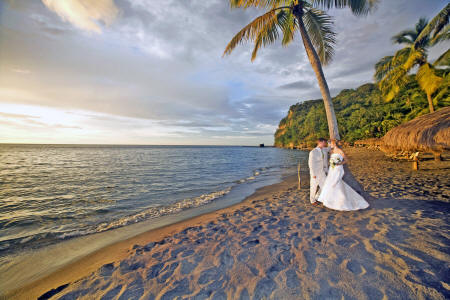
{"points": [[391, 72], [316, 31]]}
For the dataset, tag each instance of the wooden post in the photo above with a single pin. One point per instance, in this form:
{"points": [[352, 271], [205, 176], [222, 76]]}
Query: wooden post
{"points": [[415, 158], [299, 178], [437, 156]]}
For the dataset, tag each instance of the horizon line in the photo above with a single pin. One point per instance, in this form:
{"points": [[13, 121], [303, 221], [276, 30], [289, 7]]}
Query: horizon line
{"points": [[93, 144]]}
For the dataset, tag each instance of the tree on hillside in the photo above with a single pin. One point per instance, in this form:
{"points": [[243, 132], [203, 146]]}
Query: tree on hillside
{"points": [[391, 72], [307, 17]]}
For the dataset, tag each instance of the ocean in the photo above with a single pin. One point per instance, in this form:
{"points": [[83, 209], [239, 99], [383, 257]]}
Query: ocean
{"points": [[51, 193]]}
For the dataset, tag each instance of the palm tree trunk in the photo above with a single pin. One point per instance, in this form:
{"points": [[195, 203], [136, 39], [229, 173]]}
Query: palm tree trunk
{"points": [[317, 67], [430, 103], [329, 109]]}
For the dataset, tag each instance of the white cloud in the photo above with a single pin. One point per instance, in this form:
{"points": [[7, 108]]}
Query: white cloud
{"points": [[85, 14], [21, 71], [157, 75]]}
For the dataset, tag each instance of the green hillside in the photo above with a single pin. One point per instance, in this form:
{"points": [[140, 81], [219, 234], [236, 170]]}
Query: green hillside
{"points": [[361, 113]]}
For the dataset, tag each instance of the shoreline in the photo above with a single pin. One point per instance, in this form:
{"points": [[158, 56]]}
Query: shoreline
{"points": [[83, 264], [275, 245]]}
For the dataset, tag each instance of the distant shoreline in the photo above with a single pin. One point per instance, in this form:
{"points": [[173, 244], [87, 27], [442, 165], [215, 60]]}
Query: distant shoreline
{"points": [[132, 145]]}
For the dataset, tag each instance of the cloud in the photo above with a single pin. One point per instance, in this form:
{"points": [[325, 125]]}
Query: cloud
{"points": [[156, 74], [17, 116], [85, 14], [21, 71], [297, 85]]}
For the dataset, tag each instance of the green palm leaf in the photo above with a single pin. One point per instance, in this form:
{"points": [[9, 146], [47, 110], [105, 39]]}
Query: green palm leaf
{"points": [[427, 78], [444, 35], [252, 31], [319, 26], [443, 60], [388, 63], [436, 25], [269, 32], [405, 37], [289, 27], [358, 7], [266, 4]]}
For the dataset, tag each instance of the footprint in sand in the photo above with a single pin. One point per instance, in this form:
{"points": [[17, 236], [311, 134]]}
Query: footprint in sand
{"points": [[111, 293], [107, 270], [126, 266], [243, 256], [354, 267], [292, 280], [311, 262], [154, 270], [264, 289], [181, 288], [187, 267], [167, 272], [244, 295], [346, 242], [133, 291], [226, 260], [210, 274]]}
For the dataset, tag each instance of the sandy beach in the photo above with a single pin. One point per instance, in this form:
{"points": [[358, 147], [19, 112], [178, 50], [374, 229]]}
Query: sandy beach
{"points": [[275, 245]]}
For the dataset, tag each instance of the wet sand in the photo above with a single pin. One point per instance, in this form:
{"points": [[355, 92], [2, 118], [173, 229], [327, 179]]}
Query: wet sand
{"points": [[275, 245]]}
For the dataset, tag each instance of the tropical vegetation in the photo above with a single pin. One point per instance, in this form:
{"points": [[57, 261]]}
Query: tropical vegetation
{"points": [[398, 96], [392, 72], [362, 113], [307, 17]]}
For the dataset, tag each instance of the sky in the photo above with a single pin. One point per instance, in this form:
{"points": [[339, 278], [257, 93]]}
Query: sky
{"points": [[152, 72]]}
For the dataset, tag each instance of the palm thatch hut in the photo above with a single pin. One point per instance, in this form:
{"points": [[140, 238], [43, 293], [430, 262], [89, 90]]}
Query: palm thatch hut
{"points": [[428, 133]]}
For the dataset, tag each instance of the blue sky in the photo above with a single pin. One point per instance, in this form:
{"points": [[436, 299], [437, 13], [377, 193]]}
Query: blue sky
{"points": [[152, 72]]}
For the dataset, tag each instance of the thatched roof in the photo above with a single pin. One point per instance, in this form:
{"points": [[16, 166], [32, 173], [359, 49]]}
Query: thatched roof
{"points": [[427, 133]]}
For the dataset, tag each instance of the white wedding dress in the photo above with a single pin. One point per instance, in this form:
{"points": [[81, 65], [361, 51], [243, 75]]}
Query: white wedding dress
{"points": [[338, 195]]}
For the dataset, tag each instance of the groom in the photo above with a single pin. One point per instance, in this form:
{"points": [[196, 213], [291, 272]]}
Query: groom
{"points": [[318, 168]]}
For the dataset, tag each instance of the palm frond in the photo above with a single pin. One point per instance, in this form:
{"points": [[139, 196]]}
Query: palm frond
{"points": [[391, 84], [415, 57], [265, 4], [319, 26], [391, 72], [443, 94], [421, 24], [388, 63], [289, 26], [358, 7], [435, 26], [427, 78], [442, 36], [252, 30], [269, 32], [382, 68], [405, 37], [443, 60]]}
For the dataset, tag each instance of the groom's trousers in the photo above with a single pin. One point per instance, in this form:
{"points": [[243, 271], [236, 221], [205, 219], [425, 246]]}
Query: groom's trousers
{"points": [[316, 185]]}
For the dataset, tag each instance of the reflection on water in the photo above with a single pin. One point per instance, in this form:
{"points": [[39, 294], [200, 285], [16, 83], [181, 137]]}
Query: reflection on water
{"points": [[50, 192]]}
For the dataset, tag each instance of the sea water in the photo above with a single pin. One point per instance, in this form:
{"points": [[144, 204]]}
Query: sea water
{"points": [[51, 193]]}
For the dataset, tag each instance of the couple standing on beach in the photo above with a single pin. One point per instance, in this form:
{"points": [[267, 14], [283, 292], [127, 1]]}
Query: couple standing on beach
{"points": [[327, 185]]}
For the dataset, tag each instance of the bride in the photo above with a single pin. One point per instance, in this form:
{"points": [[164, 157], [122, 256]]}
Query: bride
{"points": [[336, 194]]}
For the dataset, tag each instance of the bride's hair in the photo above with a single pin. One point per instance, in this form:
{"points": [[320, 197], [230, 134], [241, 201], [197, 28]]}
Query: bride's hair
{"points": [[336, 142]]}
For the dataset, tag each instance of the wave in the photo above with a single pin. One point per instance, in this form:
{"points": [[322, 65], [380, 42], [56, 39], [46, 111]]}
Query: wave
{"points": [[149, 213], [152, 212], [158, 211]]}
